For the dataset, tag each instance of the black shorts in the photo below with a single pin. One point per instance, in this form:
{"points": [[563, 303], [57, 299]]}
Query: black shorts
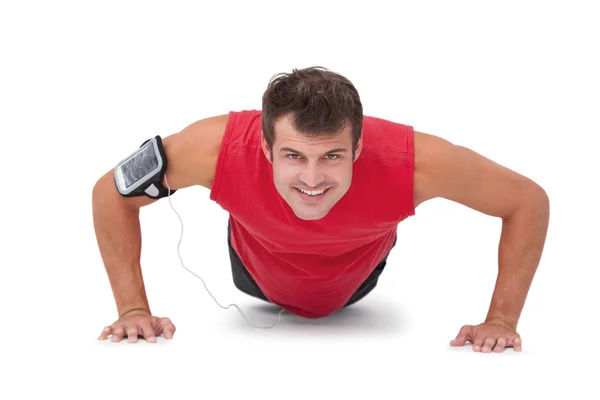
{"points": [[244, 281]]}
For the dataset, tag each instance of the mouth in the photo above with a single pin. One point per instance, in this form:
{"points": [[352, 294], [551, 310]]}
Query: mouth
{"points": [[307, 198]]}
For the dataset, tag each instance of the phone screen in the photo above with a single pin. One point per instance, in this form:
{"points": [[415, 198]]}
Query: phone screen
{"points": [[139, 165]]}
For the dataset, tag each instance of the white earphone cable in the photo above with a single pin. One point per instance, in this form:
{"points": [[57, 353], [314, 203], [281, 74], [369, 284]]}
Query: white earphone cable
{"points": [[197, 276]]}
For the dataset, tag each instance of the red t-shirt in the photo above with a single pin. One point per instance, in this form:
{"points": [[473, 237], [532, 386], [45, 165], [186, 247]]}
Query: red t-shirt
{"points": [[311, 268]]}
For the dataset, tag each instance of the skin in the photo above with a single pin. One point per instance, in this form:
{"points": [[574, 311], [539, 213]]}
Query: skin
{"points": [[442, 170], [310, 164]]}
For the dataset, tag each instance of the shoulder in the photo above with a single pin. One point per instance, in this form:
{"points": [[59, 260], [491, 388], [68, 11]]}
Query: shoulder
{"points": [[193, 152], [446, 170], [441, 167], [427, 148]]}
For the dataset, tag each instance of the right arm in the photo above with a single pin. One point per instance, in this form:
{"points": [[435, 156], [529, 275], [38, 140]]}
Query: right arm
{"points": [[192, 156]]}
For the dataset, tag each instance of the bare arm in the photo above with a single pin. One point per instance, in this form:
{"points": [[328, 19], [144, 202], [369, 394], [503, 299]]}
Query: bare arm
{"points": [[457, 173], [192, 155], [117, 227], [521, 244]]}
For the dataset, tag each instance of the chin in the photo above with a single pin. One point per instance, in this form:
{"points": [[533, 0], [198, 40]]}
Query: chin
{"points": [[309, 215], [310, 218]]}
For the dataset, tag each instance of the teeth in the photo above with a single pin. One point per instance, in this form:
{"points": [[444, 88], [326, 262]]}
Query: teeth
{"points": [[312, 193]]}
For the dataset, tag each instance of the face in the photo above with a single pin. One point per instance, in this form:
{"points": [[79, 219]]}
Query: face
{"points": [[313, 165]]}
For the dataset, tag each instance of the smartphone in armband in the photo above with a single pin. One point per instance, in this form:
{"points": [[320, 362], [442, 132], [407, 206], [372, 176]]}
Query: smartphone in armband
{"points": [[143, 171]]}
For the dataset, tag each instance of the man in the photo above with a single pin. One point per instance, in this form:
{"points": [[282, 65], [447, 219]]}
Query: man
{"points": [[315, 192]]}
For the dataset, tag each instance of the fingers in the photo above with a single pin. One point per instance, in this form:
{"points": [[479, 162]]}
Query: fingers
{"points": [[459, 341], [132, 333], [487, 338], [169, 331], [463, 335], [517, 344], [105, 332], [488, 344], [497, 345], [148, 332], [514, 341], [478, 344], [500, 345], [118, 334], [148, 328], [166, 327]]}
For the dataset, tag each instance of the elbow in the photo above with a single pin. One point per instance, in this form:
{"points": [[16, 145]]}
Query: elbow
{"points": [[534, 193], [532, 200], [544, 204], [540, 197], [99, 194], [101, 185], [536, 202], [104, 191]]}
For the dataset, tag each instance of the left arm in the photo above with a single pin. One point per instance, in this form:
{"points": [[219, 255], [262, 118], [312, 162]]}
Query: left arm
{"points": [[521, 243], [457, 173]]}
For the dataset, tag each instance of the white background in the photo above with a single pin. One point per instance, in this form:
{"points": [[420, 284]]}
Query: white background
{"points": [[83, 84]]}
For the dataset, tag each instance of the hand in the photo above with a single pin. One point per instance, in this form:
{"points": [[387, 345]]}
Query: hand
{"points": [[488, 336], [139, 323]]}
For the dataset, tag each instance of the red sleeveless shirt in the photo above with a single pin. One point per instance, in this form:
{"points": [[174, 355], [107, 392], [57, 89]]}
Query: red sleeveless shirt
{"points": [[312, 268]]}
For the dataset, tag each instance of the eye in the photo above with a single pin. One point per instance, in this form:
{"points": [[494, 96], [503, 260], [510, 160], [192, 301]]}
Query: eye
{"points": [[331, 156]]}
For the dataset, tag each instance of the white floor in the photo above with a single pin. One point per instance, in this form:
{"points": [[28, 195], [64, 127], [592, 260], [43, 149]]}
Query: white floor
{"points": [[83, 87], [393, 343]]}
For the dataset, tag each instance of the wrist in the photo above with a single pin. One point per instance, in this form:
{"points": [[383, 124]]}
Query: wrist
{"points": [[502, 321], [135, 311]]}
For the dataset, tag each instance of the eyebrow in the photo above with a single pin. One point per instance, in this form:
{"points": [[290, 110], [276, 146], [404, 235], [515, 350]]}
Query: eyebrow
{"points": [[340, 150]]}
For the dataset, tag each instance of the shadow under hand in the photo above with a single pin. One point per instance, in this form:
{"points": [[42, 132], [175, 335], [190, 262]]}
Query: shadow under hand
{"points": [[373, 315]]}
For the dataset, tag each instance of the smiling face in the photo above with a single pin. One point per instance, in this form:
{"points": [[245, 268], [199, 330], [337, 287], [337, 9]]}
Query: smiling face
{"points": [[311, 164]]}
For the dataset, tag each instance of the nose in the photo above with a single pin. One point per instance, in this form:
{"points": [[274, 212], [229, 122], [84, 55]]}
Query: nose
{"points": [[312, 177]]}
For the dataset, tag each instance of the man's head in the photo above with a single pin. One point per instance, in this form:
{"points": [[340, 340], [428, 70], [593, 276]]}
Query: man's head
{"points": [[312, 134]]}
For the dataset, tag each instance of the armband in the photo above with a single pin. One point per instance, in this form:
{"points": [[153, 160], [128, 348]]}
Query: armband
{"points": [[143, 171]]}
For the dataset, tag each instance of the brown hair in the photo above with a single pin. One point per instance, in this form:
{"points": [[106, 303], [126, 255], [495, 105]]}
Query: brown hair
{"points": [[320, 103]]}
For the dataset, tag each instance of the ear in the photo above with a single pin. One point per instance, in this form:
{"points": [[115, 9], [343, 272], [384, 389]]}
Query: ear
{"points": [[265, 146], [358, 148]]}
